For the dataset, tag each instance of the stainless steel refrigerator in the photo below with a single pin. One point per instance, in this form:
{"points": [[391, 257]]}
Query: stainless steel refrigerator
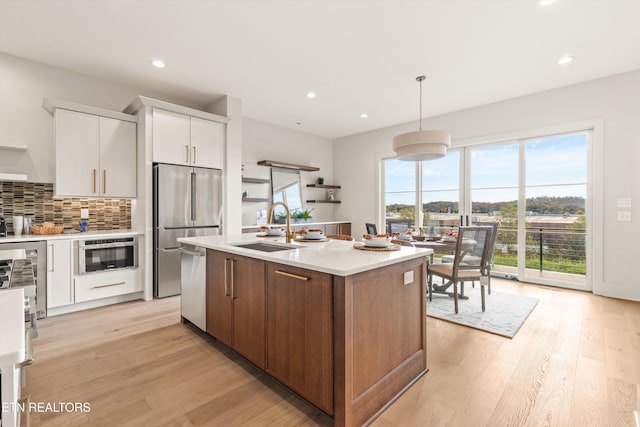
{"points": [[187, 202]]}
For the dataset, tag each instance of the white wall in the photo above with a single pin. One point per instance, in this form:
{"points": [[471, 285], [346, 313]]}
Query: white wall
{"points": [[23, 85], [615, 100], [262, 141]]}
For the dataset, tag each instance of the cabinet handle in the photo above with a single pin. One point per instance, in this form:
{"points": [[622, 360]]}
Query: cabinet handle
{"points": [[233, 283], [293, 276], [194, 154], [226, 282], [186, 150], [104, 181], [94, 180], [28, 351], [110, 284]]}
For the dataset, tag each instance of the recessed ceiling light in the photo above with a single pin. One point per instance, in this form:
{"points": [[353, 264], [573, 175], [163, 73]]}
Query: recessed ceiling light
{"points": [[565, 59], [158, 63], [311, 94], [364, 115], [546, 2]]}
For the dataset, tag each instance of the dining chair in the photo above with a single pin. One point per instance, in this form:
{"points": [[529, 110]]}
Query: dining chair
{"points": [[457, 272], [397, 226], [472, 259], [490, 251], [340, 237], [371, 228]]}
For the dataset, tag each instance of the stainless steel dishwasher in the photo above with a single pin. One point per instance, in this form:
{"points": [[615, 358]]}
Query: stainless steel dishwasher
{"points": [[193, 275]]}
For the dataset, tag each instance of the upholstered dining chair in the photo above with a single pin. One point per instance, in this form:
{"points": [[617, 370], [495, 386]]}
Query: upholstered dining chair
{"points": [[458, 272], [339, 237], [371, 228], [474, 259]]}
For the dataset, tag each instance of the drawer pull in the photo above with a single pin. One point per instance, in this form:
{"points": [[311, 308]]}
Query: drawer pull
{"points": [[110, 284], [94, 180], [293, 276]]}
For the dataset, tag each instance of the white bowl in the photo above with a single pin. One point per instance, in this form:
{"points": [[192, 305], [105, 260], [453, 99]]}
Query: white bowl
{"points": [[313, 235], [377, 242], [448, 239], [274, 231], [404, 236]]}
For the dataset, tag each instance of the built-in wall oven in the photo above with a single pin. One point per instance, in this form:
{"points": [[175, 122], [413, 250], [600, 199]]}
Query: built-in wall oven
{"points": [[98, 255]]}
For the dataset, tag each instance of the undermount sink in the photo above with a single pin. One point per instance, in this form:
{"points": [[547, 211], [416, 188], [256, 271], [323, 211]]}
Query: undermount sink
{"points": [[265, 247]]}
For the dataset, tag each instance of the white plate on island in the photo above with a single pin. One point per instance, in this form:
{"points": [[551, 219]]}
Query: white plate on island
{"points": [[376, 242]]}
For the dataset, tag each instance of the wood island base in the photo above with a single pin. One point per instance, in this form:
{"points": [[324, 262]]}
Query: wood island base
{"points": [[350, 345]]}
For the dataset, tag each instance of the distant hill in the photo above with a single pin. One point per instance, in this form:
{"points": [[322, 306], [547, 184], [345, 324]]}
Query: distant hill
{"points": [[536, 205]]}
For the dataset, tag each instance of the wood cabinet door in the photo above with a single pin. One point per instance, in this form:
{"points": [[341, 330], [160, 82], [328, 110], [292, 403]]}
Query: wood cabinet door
{"points": [[248, 293], [171, 138], [299, 332], [77, 153], [219, 302], [207, 142], [117, 158]]}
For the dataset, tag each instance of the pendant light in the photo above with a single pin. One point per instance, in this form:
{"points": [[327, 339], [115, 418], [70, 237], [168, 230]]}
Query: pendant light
{"points": [[421, 144]]}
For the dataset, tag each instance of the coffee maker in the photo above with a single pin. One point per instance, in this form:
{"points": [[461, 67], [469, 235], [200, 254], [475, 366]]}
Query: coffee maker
{"points": [[3, 227]]}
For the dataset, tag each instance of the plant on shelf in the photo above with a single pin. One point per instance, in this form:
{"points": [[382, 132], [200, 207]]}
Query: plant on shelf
{"points": [[302, 215]]}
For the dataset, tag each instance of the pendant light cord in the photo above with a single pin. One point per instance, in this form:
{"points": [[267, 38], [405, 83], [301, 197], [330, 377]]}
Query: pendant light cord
{"points": [[420, 79]]}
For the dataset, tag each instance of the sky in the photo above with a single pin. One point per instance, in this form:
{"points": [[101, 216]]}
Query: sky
{"points": [[555, 166]]}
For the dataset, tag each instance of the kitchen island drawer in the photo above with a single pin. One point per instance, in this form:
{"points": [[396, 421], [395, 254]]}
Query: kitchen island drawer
{"points": [[102, 285]]}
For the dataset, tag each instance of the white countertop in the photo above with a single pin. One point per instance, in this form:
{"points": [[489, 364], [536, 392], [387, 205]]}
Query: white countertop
{"points": [[107, 234], [12, 348], [336, 257]]}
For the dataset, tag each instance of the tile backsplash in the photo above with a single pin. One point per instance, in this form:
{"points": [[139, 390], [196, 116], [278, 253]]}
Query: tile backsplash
{"points": [[36, 200]]}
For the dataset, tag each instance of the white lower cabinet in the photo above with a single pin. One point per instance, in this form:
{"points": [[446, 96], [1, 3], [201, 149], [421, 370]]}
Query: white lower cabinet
{"points": [[103, 285], [59, 267]]}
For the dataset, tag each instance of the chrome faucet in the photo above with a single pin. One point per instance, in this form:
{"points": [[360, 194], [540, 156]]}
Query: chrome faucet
{"points": [[288, 233]]}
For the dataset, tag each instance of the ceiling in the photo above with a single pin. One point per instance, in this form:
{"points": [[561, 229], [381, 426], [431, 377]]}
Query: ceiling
{"points": [[357, 55]]}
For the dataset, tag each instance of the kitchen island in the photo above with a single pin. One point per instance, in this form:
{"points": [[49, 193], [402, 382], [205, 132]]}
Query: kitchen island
{"points": [[344, 328]]}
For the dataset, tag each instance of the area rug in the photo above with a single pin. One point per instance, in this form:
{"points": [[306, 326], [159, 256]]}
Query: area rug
{"points": [[504, 313]]}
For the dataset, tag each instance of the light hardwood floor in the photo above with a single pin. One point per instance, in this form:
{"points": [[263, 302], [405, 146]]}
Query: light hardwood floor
{"points": [[576, 361]]}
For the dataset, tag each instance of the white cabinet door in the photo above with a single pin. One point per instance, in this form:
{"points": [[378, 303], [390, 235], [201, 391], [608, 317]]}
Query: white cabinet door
{"points": [[77, 154], [171, 138], [207, 141], [59, 285], [117, 158]]}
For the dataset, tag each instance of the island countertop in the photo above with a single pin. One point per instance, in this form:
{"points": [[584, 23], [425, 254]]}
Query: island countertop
{"points": [[337, 257]]}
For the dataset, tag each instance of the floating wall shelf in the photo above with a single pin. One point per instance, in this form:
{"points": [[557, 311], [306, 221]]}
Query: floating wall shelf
{"points": [[255, 199], [287, 165], [323, 186], [323, 201], [256, 180]]}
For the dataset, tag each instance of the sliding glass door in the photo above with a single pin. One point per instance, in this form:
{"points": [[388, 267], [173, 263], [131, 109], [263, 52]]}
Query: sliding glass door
{"points": [[535, 189]]}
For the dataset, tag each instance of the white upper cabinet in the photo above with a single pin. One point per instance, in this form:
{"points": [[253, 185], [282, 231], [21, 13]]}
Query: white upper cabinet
{"points": [[185, 140], [117, 158], [77, 139], [95, 156], [207, 140]]}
